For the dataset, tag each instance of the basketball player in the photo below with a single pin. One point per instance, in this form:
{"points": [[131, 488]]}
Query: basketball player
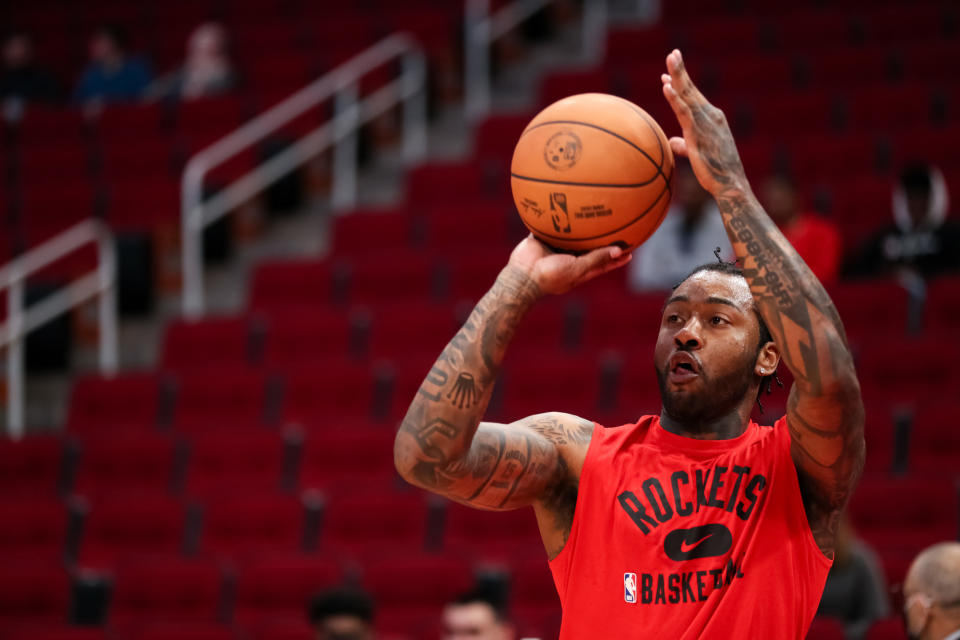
{"points": [[696, 523]]}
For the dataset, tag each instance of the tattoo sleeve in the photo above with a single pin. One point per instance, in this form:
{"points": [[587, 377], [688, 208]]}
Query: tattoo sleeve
{"points": [[824, 410], [441, 444]]}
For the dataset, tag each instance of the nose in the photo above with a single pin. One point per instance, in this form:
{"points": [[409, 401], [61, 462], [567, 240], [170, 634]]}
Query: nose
{"points": [[689, 337]]}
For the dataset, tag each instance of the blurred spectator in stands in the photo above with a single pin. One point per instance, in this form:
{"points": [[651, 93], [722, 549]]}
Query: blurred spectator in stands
{"points": [[476, 615], [112, 75], [921, 240], [816, 239], [931, 594], [688, 236], [21, 80], [856, 592], [206, 71], [342, 614]]}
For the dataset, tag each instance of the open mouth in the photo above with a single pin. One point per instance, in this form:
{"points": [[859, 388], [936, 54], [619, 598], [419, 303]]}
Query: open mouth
{"points": [[683, 367]]}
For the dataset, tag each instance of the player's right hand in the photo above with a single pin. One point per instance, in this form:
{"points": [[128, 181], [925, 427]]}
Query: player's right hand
{"points": [[559, 272]]}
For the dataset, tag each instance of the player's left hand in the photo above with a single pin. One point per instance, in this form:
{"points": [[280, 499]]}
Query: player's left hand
{"points": [[706, 140]]}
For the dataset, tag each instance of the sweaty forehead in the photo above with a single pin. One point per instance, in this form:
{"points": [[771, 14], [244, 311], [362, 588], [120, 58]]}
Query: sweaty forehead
{"points": [[713, 284]]}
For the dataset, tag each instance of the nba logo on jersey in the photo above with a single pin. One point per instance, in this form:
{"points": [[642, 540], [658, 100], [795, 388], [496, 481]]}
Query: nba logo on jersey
{"points": [[630, 588]]}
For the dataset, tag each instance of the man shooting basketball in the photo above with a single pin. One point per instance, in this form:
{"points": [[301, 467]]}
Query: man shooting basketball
{"points": [[697, 522]]}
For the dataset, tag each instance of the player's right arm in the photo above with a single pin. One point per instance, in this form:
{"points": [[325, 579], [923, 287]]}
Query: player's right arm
{"points": [[443, 447]]}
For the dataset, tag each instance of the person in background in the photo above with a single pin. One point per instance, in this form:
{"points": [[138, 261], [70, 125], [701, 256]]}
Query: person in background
{"points": [[207, 69], [855, 592], [342, 614], [21, 80], [112, 75], [476, 615], [921, 240], [689, 234], [931, 594], [816, 239]]}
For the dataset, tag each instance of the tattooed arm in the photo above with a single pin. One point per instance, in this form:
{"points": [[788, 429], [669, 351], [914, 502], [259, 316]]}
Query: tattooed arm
{"points": [[824, 410], [442, 446]]}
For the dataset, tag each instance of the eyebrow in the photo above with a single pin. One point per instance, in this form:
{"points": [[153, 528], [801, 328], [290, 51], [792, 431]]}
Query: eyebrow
{"points": [[710, 300]]}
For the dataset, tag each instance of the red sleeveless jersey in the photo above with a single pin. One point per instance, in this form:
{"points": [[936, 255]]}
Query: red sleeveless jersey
{"points": [[676, 537]]}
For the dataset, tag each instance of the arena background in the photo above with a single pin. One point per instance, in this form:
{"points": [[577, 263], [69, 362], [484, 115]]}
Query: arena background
{"points": [[240, 460]]}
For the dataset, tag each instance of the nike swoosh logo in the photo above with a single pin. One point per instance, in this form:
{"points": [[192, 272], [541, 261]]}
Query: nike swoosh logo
{"points": [[686, 547], [705, 541]]}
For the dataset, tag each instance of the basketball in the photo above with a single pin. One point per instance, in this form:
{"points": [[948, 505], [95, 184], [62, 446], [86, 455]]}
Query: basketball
{"points": [[592, 170]]}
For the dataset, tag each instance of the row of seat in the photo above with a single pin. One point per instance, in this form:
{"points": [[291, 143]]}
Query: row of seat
{"points": [[267, 592]]}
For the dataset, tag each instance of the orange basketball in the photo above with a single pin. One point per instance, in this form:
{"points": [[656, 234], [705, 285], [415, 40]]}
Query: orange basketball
{"points": [[592, 170]]}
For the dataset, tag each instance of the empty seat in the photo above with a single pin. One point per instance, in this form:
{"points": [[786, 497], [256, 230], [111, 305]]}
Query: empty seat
{"points": [[31, 466], [291, 284], [275, 587], [328, 392], [491, 534], [33, 593], [887, 629], [905, 514], [908, 369], [121, 526], [247, 523], [826, 629], [312, 335], [871, 308], [943, 303], [410, 330], [112, 404], [182, 631], [220, 396], [398, 275], [124, 462], [34, 529], [363, 232], [532, 586], [453, 183], [353, 522], [348, 455], [167, 589], [224, 459], [227, 341], [549, 382], [54, 631], [416, 585], [934, 441]]}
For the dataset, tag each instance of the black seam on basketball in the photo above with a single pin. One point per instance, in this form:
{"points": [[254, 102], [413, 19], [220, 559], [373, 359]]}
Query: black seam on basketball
{"points": [[646, 118], [659, 167], [607, 233], [586, 184]]}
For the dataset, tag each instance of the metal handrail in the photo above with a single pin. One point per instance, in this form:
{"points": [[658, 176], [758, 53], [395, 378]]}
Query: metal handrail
{"points": [[481, 29], [341, 84], [21, 321]]}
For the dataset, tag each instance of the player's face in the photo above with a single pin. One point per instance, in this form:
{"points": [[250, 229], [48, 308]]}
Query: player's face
{"points": [[706, 353]]}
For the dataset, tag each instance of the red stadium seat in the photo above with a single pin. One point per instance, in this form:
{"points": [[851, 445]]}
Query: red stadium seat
{"points": [[370, 232], [332, 459], [278, 588], [143, 202], [451, 184], [905, 106], [119, 122], [532, 586], [826, 629], [108, 405], [291, 284], [908, 369], [906, 514], [311, 335], [474, 227], [34, 530], [416, 585], [408, 330], [871, 309], [228, 341], [44, 165], [398, 275], [166, 589], [497, 136], [473, 272], [121, 526], [887, 629], [225, 458], [31, 466], [934, 442], [220, 396], [32, 593], [54, 631], [241, 524], [490, 535], [353, 523], [125, 461], [943, 304], [550, 382], [150, 157], [561, 84], [328, 393], [182, 631]]}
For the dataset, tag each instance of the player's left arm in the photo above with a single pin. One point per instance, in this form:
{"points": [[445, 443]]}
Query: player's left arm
{"points": [[824, 410]]}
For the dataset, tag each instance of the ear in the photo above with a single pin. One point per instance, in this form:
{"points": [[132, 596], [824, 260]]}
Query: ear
{"points": [[767, 360]]}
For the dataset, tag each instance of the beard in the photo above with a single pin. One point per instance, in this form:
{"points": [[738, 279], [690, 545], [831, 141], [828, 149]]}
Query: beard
{"points": [[715, 397]]}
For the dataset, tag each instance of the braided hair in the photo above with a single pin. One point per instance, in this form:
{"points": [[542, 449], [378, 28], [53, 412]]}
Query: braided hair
{"points": [[733, 269]]}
